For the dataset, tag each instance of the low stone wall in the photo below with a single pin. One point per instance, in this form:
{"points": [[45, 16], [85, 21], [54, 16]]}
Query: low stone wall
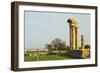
{"points": [[85, 53], [75, 53]]}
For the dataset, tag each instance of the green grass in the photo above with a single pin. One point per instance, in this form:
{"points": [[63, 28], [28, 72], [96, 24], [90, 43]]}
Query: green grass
{"points": [[47, 57], [51, 55], [30, 58]]}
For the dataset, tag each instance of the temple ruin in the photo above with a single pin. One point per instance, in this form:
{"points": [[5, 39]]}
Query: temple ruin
{"points": [[73, 34]]}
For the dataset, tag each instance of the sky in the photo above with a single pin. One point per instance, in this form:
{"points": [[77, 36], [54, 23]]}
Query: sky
{"points": [[43, 27]]}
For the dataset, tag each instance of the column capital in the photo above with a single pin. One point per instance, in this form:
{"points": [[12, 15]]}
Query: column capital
{"points": [[72, 21]]}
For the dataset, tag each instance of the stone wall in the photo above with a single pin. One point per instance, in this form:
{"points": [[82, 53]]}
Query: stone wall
{"points": [[80, 53]]}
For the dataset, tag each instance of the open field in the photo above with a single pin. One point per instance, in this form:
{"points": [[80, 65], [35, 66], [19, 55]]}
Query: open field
{"points": [[48, 55]]}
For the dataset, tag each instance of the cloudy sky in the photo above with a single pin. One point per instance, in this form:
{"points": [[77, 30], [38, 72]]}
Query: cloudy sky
{"points": [[42, 27]]}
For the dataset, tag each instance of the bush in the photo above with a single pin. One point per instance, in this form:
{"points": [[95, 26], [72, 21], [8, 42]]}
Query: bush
{"points": [[51, 53]]}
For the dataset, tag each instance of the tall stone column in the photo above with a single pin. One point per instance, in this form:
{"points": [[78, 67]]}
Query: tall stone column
{"points": [[73, 34], [82, 41], [76, 37], [70, 32], [70, 36], [73, 37]]}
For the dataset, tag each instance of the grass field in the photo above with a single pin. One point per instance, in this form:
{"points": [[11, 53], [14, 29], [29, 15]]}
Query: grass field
{"points": [[47, 57]]}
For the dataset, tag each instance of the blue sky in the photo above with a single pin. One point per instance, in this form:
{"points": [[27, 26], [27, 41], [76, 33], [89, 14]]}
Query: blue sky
{"points": [[42, 27]]}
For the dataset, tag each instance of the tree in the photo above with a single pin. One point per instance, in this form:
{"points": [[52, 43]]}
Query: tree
{"points": [[68, 47], [49, 47], [87, 46], [58, 44], [62, 45]]}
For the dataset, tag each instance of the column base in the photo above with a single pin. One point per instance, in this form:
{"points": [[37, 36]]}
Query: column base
{"points": [[79, 53]]}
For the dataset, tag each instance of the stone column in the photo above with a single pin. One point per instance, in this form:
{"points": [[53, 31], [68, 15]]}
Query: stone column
{"points": [[73, 34], [70, 32], [82, 41], [70, 36], [76, 37], [73, 37]]}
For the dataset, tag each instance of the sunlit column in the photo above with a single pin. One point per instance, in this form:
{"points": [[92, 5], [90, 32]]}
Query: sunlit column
{"points": [[73, 37], [82, 41], [76, 38]]}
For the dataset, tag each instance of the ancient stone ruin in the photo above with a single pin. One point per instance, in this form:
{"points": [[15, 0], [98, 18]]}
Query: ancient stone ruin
{"points": [[74, 48]]}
